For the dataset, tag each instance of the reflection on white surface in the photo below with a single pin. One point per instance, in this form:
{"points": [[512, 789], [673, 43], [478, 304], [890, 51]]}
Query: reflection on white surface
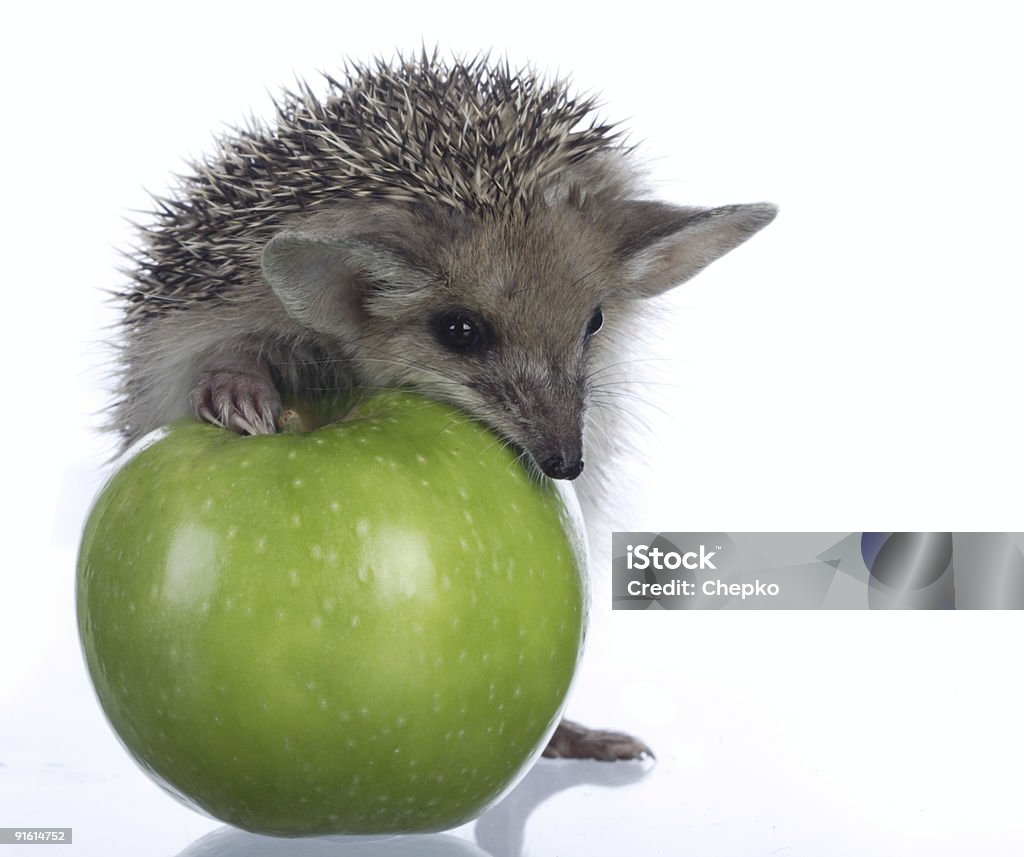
{"points": [[228, 842], [498, 833]]}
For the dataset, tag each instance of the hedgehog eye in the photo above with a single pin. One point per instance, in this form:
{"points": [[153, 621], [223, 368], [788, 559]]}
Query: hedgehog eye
{"points": [[595, 324], [459, 330]]}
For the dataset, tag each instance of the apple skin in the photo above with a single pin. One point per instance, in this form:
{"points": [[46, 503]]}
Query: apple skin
{"points": [[371, 627]]}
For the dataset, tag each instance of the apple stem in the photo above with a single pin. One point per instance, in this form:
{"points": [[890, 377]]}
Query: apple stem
{"points": [[291, 422]]}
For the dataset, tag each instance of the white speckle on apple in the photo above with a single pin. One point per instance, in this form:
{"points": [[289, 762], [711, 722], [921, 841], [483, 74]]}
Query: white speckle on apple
{"points": [[316, 552], [334, 506], [293, 577], [362, 528], [261, 544], [292, 455], [318, 621], [296, 520], [232, 531], [421, 459], [280, 614], [354, 620], [328, 604], [207, 504], [297, 483]]}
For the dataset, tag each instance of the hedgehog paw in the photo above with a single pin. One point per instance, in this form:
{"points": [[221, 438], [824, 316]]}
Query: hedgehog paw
{"points": [[244, 402], [575, 741]]}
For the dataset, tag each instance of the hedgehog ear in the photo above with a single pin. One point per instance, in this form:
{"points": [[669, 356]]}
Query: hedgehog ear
{"points": [[664, 245], [323, 280]]}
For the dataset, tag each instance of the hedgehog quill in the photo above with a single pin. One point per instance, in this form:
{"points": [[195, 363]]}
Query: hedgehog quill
{"points": [[457, 227]]}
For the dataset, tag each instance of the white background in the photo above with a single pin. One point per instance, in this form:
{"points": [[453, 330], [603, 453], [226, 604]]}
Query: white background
{"points": [[855, 367]]}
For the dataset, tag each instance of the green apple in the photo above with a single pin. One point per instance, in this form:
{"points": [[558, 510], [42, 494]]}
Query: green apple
{"points": [[370, 627]]}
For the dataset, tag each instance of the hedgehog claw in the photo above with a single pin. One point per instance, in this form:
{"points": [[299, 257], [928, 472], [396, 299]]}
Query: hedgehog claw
{"points": [[244, 402], [575, 741]]}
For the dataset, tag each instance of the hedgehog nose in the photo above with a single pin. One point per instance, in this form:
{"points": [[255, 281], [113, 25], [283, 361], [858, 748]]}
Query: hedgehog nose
{"points": [[559, 467]]}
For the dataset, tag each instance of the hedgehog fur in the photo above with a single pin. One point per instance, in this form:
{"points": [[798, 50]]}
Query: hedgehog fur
{"points": [[470, 135]]}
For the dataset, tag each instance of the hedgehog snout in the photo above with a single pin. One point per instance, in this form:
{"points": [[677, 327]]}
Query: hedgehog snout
{"points": [[563, 464], [555, 437]]}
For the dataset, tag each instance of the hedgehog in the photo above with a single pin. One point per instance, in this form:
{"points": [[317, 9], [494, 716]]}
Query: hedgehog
{"points": [[473, 232]]}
